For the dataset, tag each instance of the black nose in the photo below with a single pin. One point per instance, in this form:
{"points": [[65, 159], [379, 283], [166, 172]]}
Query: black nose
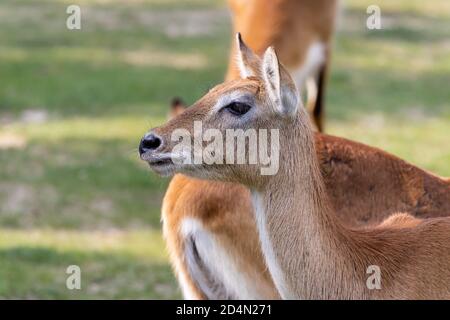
{"points": [[149, 142]]}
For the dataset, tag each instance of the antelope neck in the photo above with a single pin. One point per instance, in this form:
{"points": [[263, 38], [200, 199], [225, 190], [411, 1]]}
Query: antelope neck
{"points": [[302, 242]]}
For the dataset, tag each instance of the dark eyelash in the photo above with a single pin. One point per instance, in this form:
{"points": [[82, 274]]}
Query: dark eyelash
{"points": [[237, 108]]}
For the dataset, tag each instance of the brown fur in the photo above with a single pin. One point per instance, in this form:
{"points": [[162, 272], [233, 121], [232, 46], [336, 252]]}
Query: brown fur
{"points": [[355, 176], [346, 250]]}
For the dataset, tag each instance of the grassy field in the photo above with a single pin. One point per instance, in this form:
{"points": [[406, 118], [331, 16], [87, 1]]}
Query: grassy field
{"points": [[74, 104]]}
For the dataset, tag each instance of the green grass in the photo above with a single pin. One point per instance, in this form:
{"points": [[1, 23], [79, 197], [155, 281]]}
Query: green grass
{"points": [[72, 190], [114, 264]]}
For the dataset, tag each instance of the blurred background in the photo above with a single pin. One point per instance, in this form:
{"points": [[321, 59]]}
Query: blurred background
{"points": [[74, 104]]}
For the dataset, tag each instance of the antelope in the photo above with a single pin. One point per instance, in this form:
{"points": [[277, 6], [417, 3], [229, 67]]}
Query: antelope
{"points": [[309, 252], [302, 33], [356, 178]]}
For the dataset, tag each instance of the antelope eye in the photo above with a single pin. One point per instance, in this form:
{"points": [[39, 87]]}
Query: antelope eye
{"points": [[238, 108]]}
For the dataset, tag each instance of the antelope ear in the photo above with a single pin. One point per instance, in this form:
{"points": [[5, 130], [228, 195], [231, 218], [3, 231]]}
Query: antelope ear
{"points": [[177, 107], [248, 63], [279, 84]]}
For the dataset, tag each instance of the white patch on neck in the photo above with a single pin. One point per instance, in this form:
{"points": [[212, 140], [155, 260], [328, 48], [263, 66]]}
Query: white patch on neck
{"points": [[267, 247], [218, 260], [315, 58]]}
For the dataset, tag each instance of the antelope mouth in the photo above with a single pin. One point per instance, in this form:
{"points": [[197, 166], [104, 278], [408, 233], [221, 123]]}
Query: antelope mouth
{"points": [[157, 161], [161, 164]]}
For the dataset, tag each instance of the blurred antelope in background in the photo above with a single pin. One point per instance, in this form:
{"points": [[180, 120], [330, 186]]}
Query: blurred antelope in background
{"points": [[309, 252], [302, 32]]}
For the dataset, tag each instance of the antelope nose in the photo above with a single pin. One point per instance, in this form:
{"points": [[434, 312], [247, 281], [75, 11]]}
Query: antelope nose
{"points": [[149, 142]]}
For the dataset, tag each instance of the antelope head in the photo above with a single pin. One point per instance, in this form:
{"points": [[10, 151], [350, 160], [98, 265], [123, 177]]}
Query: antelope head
{"points": [[258, 106]]}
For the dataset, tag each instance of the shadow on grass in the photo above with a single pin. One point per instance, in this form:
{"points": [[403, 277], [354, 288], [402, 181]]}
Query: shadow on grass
{"points": [[352, 94], [87, 89], [81, 89], [27, 272], [408, 34]]}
